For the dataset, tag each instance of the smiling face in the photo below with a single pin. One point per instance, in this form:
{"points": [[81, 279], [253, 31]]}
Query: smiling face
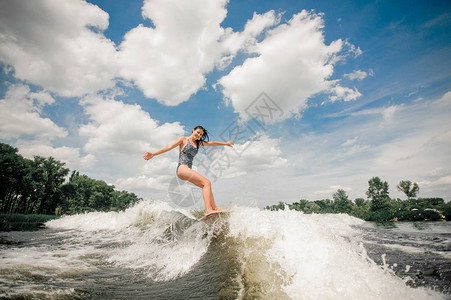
{"points": [[197, 134]]}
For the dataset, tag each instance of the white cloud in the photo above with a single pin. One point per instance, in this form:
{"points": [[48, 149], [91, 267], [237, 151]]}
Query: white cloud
{"points": [[387, 113], [445, 100], [356, 51], [161, 166], [169, 62], [340, 93], [356, 75], [232, 42], [50, 43], [21, 114], [446, 180], [258, 153], [162, 169], [141, 185], [293, 64], [352, 146], [70, 56], [413, 145], [71, 156], [329, 192], [116, 127], [350, 142]]}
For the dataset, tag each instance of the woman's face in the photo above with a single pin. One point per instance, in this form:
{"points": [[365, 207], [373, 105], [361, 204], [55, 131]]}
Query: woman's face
{"points": [[198, 133]]}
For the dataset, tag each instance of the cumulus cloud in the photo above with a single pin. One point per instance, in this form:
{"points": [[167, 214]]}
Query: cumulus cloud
{"points": [[232, 41], [116, 127], [292, 64], [341, 93], [21, 114], [71, 156], [70, 56], [356, 75], [48, 46], [157, 172], [141, 184], [169, 62], [256, 154]]}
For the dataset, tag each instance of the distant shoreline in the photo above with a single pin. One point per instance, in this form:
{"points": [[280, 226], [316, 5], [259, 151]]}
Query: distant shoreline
{"points": [[31, 222], [393, 210], [24, 222]]}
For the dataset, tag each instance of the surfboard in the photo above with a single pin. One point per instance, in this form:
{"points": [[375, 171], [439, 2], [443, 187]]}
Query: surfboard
{"points": [[213, 214]]}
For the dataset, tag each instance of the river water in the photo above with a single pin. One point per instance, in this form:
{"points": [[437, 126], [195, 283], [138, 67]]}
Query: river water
{"points": [[153, 251]]}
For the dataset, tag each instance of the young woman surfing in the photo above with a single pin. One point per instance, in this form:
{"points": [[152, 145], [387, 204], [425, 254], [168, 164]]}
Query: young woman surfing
{"points": [[188, 149]]}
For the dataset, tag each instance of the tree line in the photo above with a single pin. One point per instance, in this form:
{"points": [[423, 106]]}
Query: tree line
{"points": [[40, 186], [378, 206]]}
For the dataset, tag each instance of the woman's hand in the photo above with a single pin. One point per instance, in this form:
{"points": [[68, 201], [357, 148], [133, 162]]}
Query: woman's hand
{"points": [[230, 144], [148, 155]]}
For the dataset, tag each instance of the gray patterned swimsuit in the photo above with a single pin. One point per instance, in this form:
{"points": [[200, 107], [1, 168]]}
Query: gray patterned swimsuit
{"points": [[187, 155]]}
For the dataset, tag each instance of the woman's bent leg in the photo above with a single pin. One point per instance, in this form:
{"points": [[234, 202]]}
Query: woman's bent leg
{"points": [[185, 173]]}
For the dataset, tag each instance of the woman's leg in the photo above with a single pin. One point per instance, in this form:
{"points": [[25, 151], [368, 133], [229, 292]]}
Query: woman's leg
{"points": [[185, 173]]}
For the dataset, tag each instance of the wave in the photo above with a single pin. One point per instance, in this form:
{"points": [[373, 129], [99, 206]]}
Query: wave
{"points": [[257, 253]]}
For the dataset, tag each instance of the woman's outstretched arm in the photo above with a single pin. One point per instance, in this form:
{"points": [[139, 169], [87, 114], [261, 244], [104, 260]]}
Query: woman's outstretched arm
{"points": [[213, 144], [149, 155]]}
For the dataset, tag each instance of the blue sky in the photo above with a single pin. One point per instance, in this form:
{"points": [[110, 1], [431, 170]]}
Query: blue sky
{"points": [[357, 89]]}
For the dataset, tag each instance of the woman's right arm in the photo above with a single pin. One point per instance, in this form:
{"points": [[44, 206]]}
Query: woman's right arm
{"points": [[149, 155]]}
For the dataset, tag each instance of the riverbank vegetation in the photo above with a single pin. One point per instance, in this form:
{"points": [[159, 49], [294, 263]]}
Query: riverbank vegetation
{"points": [[41, 186], [378, 206], [15, 222]]}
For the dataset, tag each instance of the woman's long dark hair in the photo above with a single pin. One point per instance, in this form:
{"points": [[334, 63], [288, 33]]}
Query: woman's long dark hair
{"points": [[203, 138]]}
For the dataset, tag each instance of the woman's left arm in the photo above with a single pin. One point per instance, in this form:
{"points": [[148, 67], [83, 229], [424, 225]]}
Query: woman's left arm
{"points": [[213, 144]]}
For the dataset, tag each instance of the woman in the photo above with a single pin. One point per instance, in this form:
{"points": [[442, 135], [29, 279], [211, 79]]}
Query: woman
{"points": [[188, 149]]}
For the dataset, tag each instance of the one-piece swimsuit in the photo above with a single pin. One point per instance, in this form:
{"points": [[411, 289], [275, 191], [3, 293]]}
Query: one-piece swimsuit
{"points": [[187, 155]]}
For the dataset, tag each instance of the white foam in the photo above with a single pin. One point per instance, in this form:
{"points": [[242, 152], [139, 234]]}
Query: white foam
{"points": [[413, 250], [94, 221], [282, 253], [316, 256], [146, 237]]}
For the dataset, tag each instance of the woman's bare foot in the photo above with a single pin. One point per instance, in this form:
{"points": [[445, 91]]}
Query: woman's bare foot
{"points": [[210, 211]]}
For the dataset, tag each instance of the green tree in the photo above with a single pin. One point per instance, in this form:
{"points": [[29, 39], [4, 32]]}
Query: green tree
{"points": [[31, 191], [12, 169], [81, 194], [326, 206], [38, 186], [360, 202], [312, 207], [411, 190], [447, 211], [53, 176], [122, 200], [101, 196], [378, 194], [342, 204]]}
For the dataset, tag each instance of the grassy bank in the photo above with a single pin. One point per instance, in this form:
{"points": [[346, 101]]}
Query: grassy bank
{"points": [[9, 222]]}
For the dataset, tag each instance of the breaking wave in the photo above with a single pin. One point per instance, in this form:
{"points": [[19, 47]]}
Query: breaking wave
{"points": [[247, 253]]}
